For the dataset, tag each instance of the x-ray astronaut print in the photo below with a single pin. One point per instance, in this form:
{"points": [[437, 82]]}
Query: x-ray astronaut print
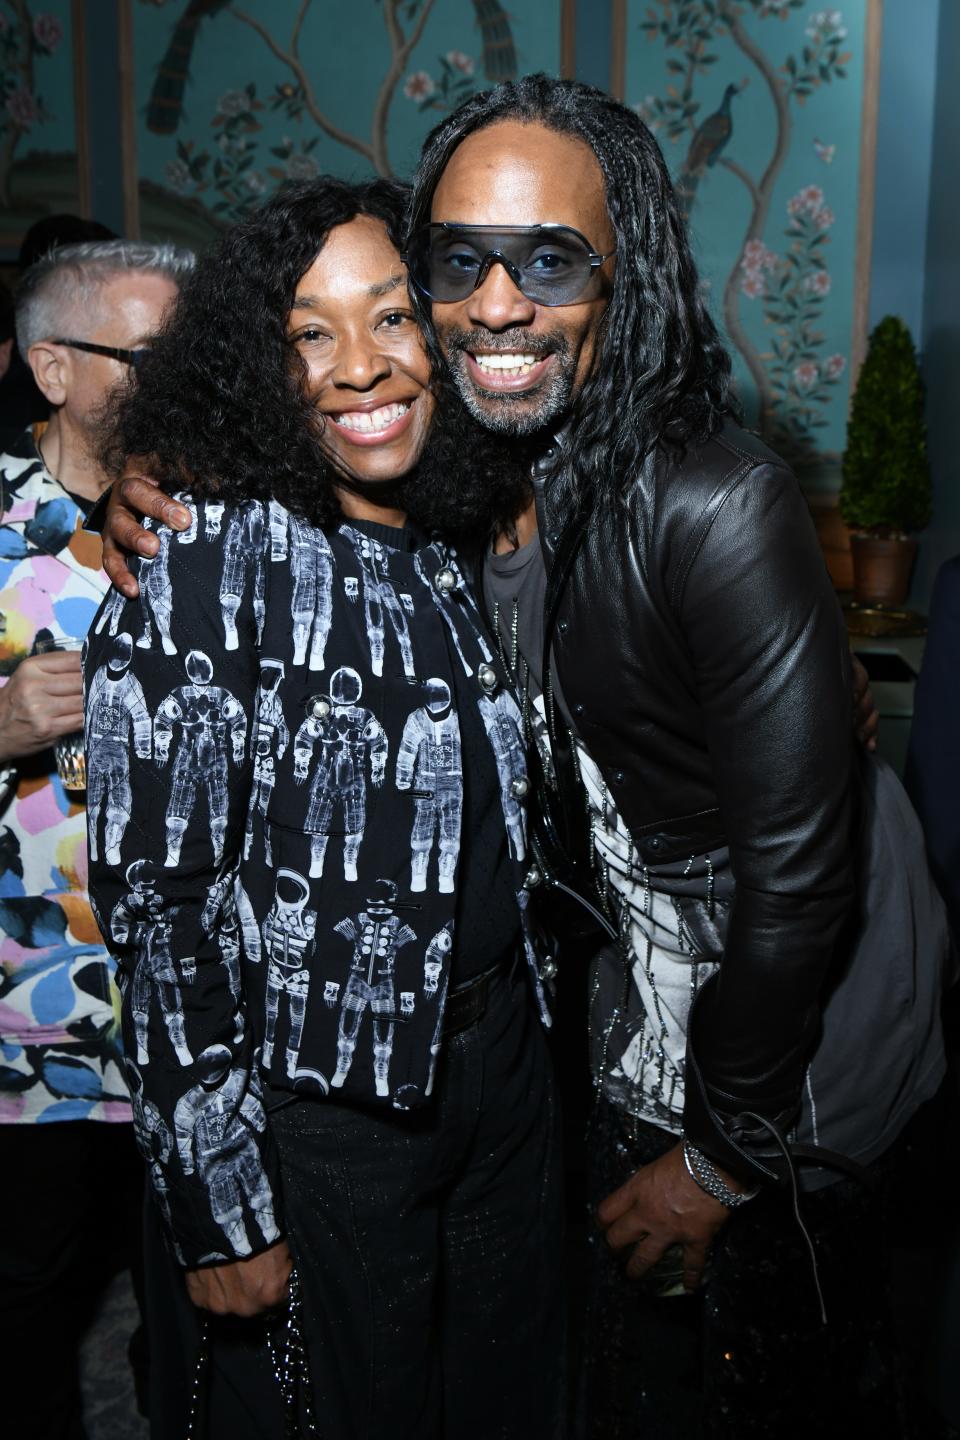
{"points": [[429, 764], [116, 712], [311, 570], [212, 519], [270, 740], [435, 987], [289, 932], [156, 592], [228, 915], [441, 596], [380, 602], [244, 563], [155, 1143], [501, 720], [378, 934], [339, 740], [216, 1124], [141, 919], [207, 716]]}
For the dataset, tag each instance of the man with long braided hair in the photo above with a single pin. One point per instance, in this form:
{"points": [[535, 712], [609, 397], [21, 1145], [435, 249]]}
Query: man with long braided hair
{"points": [[665, 602]]}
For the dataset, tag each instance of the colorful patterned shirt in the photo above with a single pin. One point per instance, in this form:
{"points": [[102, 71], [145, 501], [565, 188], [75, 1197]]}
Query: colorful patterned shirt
{"points": [[59, 1010]]}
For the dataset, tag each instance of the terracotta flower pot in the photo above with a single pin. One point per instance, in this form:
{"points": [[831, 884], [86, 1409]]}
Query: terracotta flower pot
{"points": [[881, 569]]}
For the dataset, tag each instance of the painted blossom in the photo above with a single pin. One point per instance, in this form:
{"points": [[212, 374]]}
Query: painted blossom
{"points": [[255, 182], [48, 32], [754, 284], [177, 173], [419, 86], [757, 256], [834, 366], [302, 167], [824, 218], [826, 25], [805, 375], [233, 103], [458, 61], [818, 283], [233, 144], [824, 152], [22, 108], [808, 201]]}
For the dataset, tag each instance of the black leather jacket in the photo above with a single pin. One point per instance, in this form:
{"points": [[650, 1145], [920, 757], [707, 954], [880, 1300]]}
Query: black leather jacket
{"points": [[702, 657]]}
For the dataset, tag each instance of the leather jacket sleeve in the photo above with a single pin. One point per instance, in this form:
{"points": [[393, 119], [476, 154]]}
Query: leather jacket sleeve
{"points": [[771, 659]]}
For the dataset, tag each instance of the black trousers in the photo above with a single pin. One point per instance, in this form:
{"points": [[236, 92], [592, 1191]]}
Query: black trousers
{"points": [[429, 1251], [748, 1356], [67, 1192]]}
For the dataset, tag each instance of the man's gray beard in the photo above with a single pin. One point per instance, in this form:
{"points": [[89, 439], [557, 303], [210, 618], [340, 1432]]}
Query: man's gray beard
{"points": [[511, 412]]}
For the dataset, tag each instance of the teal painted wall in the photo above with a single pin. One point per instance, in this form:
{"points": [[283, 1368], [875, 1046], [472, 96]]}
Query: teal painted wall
{"points": [[908, 82], [758, 111], [230, 107], [941, 309]]}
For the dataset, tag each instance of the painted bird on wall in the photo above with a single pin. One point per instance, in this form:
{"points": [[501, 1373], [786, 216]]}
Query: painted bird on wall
{"points": [[709, 141], [165, 108], [166, 98], [499, 51]]}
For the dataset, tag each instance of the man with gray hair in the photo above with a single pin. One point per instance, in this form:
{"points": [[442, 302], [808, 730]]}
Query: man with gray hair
{"points": [[84, 317]]}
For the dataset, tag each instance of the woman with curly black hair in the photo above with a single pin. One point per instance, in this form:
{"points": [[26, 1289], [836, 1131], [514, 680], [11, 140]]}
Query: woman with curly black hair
{"points": [[312, 865]]}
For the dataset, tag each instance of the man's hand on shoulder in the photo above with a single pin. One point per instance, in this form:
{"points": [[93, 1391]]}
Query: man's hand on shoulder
{"points": [[42, 701], [243, 1287], [659, 1206], [134, 496]]}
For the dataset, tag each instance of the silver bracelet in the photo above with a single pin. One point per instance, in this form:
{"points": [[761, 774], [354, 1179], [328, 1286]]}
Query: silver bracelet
{"points": [[703, 1173]]}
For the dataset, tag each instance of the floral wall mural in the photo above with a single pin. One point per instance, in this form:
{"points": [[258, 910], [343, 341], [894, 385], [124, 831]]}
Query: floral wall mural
{"points": [[38, 145], [234, 98], [757, 104]]}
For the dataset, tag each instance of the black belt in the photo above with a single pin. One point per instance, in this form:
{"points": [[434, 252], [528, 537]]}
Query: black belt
{"points": [[468, 1003]]}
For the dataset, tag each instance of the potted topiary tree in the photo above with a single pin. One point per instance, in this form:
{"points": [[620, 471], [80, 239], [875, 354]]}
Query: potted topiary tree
{"points": [[886, 474]]}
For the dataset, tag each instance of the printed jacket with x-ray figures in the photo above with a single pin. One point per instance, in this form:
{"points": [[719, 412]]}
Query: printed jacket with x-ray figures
{"points": [[275, 866]]}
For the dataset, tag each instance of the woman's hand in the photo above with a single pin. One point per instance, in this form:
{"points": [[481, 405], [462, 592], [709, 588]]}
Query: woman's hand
{"points": [[243, 1287], [132, 497]]}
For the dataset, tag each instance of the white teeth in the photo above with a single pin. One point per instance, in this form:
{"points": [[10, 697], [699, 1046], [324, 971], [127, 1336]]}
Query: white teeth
{"points": [[507, 363], [369, 422]]}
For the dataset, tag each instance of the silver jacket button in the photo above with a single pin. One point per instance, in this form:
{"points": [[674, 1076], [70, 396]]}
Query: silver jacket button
{"points": [[318, 707], [487, 677], [533, 878], [548, 969], [445, 580], [520, 786]]}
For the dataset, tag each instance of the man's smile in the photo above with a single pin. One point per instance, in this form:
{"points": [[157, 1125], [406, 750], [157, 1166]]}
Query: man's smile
{"points": [[506, 370]]}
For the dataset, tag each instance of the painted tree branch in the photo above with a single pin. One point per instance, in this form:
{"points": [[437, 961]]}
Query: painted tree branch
{"points": [[743, 175], [375, 150], [298, 26], [401, 48], [353, 142], [761, 196]]}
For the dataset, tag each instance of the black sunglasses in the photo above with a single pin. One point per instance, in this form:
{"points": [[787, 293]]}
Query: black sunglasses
{"points": [[550, 264], [113, 352]]}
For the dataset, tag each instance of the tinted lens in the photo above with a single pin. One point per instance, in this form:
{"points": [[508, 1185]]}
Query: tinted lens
{"points": [[551, 267]]}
